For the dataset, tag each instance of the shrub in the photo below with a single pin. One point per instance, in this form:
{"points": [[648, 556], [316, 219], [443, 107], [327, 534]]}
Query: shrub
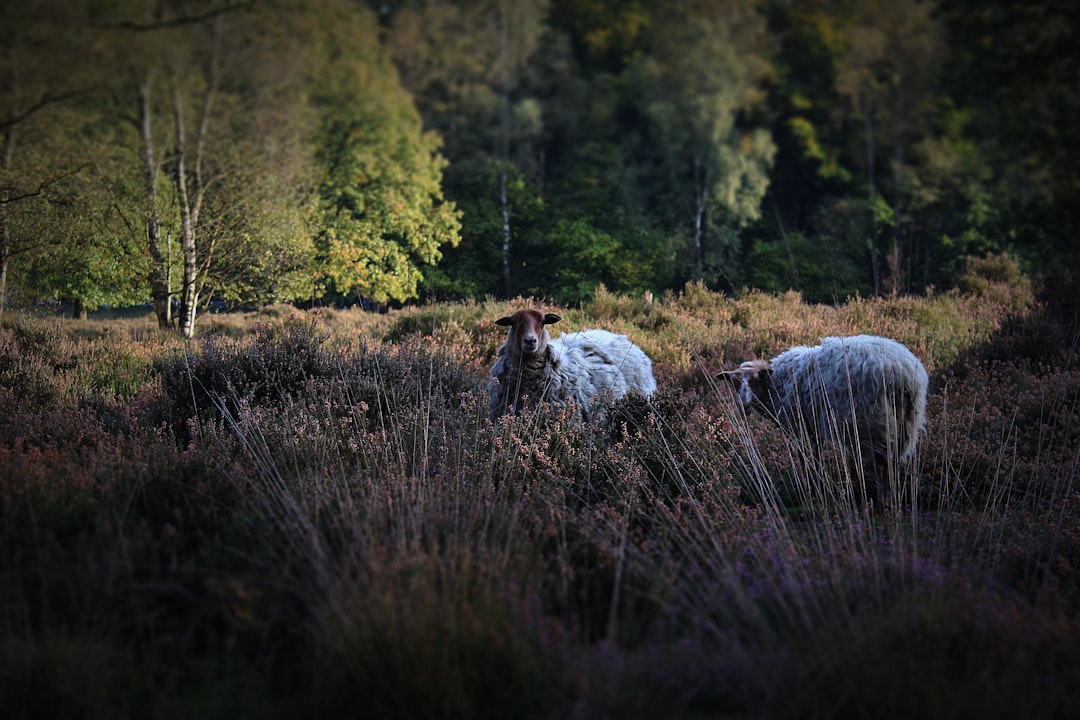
{"points": [[264, 371], [342, 530]]}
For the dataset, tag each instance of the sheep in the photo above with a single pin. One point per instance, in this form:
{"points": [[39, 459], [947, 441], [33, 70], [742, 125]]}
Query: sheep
{"points": [[583, 369], [866, 394]]}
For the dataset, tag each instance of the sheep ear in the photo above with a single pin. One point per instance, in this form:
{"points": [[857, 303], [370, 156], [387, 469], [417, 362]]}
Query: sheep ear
{"points": [[748, 371], [505, 321], [551, 319], [735, 377]]}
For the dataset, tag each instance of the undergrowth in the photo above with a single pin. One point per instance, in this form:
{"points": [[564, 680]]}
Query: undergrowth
{"points": [[310, 513]]}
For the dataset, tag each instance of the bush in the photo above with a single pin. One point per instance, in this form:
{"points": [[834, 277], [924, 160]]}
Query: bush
{"points": [[341, 530]]}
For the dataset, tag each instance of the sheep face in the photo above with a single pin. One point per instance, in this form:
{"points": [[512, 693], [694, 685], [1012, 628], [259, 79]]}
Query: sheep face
{"points": [[527, 335], [752, 380]]}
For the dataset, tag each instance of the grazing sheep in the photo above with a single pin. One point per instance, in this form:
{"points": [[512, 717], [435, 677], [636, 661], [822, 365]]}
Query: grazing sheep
{"points": [[582, 368], [865, 393]]}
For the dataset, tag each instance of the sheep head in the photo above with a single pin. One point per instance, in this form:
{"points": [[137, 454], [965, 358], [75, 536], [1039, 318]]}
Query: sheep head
{"points": [[752, 380], [527, 335]]}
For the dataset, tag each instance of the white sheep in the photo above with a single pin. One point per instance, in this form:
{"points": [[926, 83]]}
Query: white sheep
{"points": [[584, 368], [864, 393]]}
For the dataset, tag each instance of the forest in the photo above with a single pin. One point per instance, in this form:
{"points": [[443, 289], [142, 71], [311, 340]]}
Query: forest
{"points": [[228, 488], [330, 152]]}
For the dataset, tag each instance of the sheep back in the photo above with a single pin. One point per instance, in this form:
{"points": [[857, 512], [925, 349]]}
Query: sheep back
{"points": [[872, 385], [609, 362], [595, 364]]}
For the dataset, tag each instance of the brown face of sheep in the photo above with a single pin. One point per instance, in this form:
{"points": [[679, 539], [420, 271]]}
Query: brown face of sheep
{"points": [[751, 381], [527, 329]]}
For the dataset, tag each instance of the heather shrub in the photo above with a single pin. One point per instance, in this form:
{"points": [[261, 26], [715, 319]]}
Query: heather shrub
{"points": [[997, 278], [42, 337], [274, 364], [433, 320], [34, 355], [410, 545], [311, 512], [642, 311], [114, 369], [26, 377]]}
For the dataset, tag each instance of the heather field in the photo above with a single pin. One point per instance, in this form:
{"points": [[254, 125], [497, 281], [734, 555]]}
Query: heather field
{"points": [[307, 513]]}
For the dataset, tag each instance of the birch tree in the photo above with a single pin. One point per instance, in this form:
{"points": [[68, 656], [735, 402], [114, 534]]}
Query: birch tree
{"points": [[466, 62], [200, 96], [703, 78], [888, 77]]}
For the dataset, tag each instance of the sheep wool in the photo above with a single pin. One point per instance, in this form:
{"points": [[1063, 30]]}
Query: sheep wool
{"points": [[864, 392], [585, 369]]}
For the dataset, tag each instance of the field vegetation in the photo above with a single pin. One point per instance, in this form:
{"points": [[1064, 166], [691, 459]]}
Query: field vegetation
{"points": [[308, 513]]}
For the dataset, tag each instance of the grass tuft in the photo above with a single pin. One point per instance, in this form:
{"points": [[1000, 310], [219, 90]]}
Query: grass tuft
{"points": [[309, 512]]}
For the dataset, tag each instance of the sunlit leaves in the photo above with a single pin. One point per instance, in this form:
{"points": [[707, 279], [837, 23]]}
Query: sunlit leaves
{"points": [[383, 213]]}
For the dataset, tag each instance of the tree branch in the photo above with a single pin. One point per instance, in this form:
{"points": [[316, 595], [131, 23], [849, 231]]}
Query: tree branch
{"points": [[44, 102], [43, 186], [177, 21]]}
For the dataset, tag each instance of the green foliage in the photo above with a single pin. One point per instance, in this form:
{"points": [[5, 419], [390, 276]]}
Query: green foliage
{"points": [[586, 257], [592, 237], [815, 266], [383, 212], [806, 135], [1017, 126], [474, 269], [365, 153]]}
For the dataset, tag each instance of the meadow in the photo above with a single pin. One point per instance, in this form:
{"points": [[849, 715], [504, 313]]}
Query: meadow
{"points": [[309, 513]]}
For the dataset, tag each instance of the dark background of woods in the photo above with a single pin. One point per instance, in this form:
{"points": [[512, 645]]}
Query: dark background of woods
{"points": [[337, 150]]}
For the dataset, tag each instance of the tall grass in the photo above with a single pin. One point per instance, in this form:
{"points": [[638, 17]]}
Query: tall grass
{"points": [[310, 513]]}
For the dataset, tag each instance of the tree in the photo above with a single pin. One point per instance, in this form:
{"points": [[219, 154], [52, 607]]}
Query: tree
{"points": [[1012, 74], [700, 86], [201, 104], [258, 216], [472, 268], [888, 75], [812, 163], [466, 63], [160, 49], [953, 199], [86, 255], [383, 216], [36, 152]]}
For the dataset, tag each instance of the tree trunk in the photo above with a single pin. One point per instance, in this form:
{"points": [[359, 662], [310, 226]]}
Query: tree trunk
{"points": [[503, 196], [871, 244], [507, 288], [701, 196], [5, 254], [5, 238], [187, 230], [190, 197], [897, 274], [3, 270], [159, 269]]}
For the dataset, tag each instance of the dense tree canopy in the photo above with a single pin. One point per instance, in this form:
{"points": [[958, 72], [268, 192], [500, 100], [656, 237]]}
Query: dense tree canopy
{"points": [[344, 149], [382, 211]]}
